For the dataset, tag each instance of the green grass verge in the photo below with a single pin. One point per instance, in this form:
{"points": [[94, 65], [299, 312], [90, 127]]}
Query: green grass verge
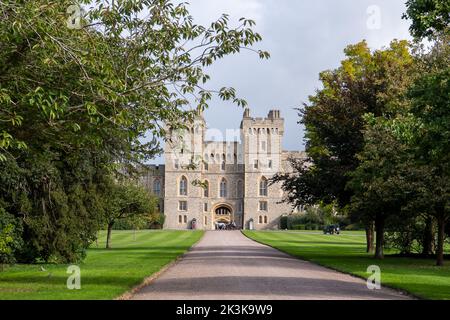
{"points": [[346, 252], [105, 274]]}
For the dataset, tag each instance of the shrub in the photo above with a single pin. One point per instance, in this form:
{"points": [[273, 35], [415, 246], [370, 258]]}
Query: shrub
{"points": [[157, 221], [10, 237], [284, 222]]}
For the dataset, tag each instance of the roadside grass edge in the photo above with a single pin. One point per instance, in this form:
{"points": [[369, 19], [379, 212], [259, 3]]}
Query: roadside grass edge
{"points": [[148, 280], [389, 286]]}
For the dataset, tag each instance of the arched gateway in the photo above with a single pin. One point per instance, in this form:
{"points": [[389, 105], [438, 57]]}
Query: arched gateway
{"points": [[223, 213]]}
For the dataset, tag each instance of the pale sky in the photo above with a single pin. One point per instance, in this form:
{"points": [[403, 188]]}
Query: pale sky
{"points": [[304, 38]]}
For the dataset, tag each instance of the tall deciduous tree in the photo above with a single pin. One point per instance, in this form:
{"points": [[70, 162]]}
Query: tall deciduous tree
{"points": [[366, 82], [126, 200], [78, 94], [386, 179], [430, 104], [427, 16]]}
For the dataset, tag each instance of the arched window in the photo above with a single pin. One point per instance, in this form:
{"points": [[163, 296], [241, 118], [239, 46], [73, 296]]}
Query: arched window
{"points": [[223, 188], [206, 190], [263, 187], [157, 187], [183, 186], [260, 219], [239, 189], [265, 219]]}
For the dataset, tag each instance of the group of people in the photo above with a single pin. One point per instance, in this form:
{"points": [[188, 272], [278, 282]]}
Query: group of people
{"points": [[225, 226]]}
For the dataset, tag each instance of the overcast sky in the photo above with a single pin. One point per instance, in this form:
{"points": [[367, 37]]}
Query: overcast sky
{"points": [[304, 37]]}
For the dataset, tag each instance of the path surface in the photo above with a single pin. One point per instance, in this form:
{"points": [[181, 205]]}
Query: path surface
{"points": [[226, 265]]}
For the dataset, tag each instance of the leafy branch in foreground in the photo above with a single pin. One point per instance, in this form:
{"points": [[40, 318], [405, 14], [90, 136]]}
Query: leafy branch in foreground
{"points": [[78, 103]]}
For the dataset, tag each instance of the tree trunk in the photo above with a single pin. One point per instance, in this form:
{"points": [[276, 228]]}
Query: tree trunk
{"points": [[379, 229], [441, 239], [428, 238], [369, 237], [108, 236]]}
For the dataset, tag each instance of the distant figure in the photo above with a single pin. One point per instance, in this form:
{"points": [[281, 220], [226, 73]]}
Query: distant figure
{"points": [[220, 226]]}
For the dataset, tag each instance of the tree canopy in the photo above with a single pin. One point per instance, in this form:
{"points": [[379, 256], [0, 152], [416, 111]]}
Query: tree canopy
{"points": [[427, 17], [79, 99]]}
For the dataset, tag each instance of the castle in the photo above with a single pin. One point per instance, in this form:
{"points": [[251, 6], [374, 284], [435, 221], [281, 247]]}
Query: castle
{"points": [[204, 183]]}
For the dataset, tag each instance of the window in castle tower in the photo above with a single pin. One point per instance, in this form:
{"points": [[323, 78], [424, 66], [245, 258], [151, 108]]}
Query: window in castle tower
{"points": [[177, 164], [239, 189], [180, 219], [263, 206], [240, 207], [185, 219], [223, 188], [270, 164], [263, 187], [182, 205], [260, 219], [205, 221], [256, 164], [206, 190], [183, 186], [205, 207], [265, 219], [157, 187], [222, 166]]}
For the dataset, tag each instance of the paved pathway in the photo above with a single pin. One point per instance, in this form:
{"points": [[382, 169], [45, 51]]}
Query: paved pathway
{"points": [[226, 265]]}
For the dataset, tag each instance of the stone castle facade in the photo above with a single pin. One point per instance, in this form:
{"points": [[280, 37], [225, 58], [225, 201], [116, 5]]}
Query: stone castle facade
{"points": [[207, 182]]}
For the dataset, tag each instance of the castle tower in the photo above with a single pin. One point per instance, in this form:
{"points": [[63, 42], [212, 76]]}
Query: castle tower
{"points": [[183, 167], [262, 148]]}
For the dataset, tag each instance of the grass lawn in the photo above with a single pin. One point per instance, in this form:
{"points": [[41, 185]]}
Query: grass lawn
{"points": [[346, 252], [105, 274]]}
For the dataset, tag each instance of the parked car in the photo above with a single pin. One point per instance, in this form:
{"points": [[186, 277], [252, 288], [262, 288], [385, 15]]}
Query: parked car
{"points": [[332, 229]]}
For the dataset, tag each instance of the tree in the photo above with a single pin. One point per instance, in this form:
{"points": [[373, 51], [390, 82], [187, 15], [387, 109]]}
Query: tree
{"points": [[386, 179], [366, 82], [126, 200], [76, 103], [430, 105], [428, 17], [10, 241]]}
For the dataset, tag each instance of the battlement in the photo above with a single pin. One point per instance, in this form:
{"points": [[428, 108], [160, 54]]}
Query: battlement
{"points": [[273, 120]]}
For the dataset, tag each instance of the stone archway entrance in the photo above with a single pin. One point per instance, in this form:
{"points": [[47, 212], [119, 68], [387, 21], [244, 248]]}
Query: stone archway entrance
{"points": [[223, 213]]}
